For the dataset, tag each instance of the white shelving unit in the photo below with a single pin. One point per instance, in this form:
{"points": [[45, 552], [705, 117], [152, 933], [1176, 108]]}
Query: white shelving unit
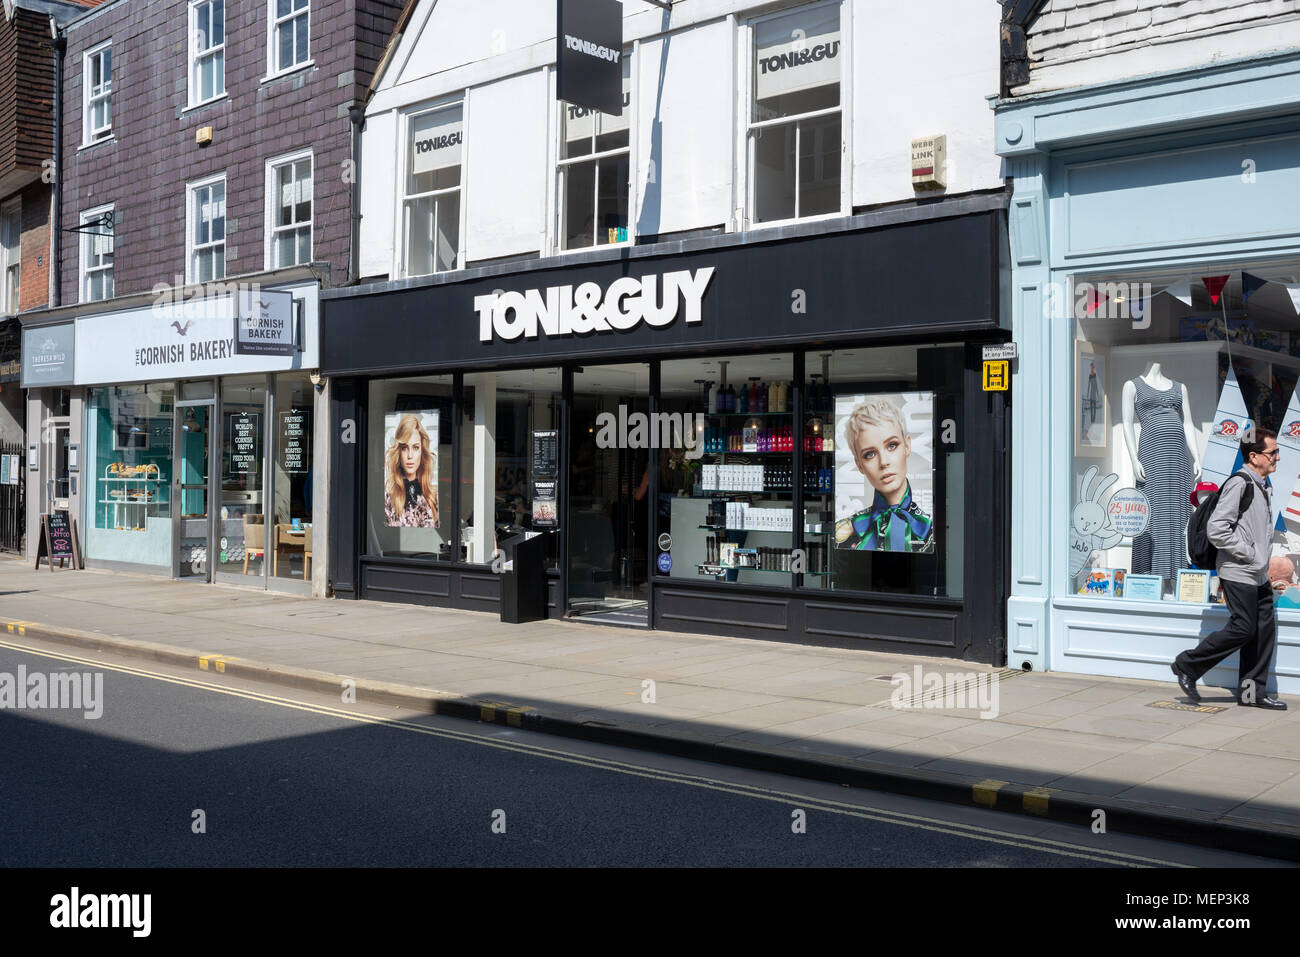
{"points": [[138, 492]]}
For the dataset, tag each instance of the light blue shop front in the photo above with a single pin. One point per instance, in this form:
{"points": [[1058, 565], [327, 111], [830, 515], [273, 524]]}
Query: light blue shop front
{"points": [[1131, 201]]}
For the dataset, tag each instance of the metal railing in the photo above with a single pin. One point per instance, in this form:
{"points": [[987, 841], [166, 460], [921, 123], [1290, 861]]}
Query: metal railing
{"points": [[13, 505]]}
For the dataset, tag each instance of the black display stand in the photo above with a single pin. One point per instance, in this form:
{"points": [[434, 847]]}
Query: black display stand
{"points": [[523, 586], [58, 539]]}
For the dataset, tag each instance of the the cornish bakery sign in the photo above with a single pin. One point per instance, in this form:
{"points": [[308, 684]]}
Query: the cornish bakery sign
{"points": [[187, 339]]}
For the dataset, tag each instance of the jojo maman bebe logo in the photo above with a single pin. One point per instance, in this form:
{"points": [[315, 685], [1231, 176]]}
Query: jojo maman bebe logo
{"points": [[568, 310]]}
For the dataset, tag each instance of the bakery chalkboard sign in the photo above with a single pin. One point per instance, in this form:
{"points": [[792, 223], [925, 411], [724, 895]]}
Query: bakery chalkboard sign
{"points": [[58, 540]]}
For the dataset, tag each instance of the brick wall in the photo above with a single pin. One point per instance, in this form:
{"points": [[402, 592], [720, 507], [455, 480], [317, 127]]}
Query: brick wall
{"points": [[144, 168], [34, 274], [1067, 30]]}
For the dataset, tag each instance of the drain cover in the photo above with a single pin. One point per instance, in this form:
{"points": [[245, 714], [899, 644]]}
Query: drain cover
{"points": [[1179, 706]]}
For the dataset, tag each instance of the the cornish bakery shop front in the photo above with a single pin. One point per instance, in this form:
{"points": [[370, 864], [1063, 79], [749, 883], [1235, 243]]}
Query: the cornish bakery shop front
{"points": [[784, 439]]}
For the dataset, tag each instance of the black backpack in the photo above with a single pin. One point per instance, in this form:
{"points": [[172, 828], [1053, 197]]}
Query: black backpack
{"points": [[1199, 548]]}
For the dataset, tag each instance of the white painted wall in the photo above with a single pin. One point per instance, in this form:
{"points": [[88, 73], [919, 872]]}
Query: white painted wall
{"points": [[921, 69], [684, 131], [506, 167], [916, 69], [380, 153], [1084, 42]]}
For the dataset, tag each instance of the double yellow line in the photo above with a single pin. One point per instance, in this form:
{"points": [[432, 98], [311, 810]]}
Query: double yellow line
{"points": [[916, 821]]}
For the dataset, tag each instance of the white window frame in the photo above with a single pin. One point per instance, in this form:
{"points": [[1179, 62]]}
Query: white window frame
{"points": [[87, 265], [273, 24], [91, 96], [197, 56], [748, 125], [272, 202], [191, 216], [404, 119], [558, 185], [10, 213]]}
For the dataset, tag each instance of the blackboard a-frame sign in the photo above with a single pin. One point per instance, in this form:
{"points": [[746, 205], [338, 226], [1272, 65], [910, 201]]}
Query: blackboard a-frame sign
{"points": [[58, 540]]}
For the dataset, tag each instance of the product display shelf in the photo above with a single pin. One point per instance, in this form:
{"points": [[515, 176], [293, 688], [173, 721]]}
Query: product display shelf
{"points": [[138, 491]]}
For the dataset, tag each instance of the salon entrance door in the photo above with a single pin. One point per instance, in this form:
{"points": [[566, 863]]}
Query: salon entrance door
{"points": [[192, 491]]}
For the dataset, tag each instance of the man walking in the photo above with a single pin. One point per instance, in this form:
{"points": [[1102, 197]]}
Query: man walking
{"points": [[1244, 546]]}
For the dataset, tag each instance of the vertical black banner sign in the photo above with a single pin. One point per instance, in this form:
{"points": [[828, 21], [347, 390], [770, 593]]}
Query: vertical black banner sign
{"points": [[589, 54]]}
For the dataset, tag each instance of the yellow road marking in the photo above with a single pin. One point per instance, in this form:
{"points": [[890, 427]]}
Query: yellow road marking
{"points": [[1035, 800], [986, 792], [900, 818]]}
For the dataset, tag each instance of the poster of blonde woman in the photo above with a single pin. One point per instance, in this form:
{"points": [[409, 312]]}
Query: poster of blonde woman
{"points": [[884, 472], [411, 469]]}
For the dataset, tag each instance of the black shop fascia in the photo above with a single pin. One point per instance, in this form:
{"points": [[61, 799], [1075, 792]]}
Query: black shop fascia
{"points": [[515, 370]]}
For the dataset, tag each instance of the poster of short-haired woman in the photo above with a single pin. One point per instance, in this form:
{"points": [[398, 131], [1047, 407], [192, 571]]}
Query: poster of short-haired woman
{"points": [[884, 472]]}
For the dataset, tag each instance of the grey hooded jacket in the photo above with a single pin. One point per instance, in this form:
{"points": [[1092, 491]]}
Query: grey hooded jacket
{"points": [[1245, 546]]}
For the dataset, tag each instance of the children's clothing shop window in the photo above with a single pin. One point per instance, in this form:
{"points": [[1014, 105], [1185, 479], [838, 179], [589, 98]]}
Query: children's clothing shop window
{"points": [[409, 468], [795, 138], [289, 192], [431, 208], [510, 465], [726, 435], [207, 232], [595, 172], [97, 95], [10, 256], [1168, 374], [96, 254], [290, 27], [128, 472], [884, 489], [207, 50]]}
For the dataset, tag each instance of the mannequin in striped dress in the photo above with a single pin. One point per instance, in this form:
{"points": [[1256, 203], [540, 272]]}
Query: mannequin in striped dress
{"points": [[1165, 465]]}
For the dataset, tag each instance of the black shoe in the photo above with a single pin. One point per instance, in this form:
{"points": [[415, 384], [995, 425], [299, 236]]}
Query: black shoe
{"points": [[1187, 682], [1265, 702]]}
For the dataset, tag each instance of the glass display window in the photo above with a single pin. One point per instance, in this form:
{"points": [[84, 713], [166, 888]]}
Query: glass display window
{"points": [[1168, 373], [726, 481], [409, 468], [291, 477], [128, 474], [884, 470]]}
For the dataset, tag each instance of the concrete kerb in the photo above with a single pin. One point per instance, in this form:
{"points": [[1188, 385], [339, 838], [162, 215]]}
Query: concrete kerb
{"points": [[1220, 831]]}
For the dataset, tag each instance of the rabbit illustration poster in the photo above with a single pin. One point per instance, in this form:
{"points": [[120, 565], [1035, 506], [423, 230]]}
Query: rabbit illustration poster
{"points": [[1091, 528]]}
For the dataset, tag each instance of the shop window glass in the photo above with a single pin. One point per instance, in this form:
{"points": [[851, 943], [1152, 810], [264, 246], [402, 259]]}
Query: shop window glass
{"points": [[409, 471], [511, 447], [1166, 375], [884, 487], [127, 473], [610, 508], [432, 198], [242, 534], [595, 172], [726, 479], [795, 137], [291, 475], [207, 50]]}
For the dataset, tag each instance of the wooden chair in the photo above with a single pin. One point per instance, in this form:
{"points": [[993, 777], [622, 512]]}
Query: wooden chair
{"points": [[254, 538], [306, 553]]}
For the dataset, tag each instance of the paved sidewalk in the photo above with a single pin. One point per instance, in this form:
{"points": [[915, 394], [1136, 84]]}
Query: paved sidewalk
{"points": [[1061, 745]]}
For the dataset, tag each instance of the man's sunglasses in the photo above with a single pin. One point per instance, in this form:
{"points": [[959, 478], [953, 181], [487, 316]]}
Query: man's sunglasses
{"points": [[1275, 454]]}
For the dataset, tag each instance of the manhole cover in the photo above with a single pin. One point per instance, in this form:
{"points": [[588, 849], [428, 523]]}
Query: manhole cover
{"points": [[1179, 706]]}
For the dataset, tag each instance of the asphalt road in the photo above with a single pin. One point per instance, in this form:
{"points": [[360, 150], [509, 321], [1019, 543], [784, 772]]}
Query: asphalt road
{"points": [[296, 779]]}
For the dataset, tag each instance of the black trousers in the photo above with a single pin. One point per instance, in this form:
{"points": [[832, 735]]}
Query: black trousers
{"points": [[1251, 629]]}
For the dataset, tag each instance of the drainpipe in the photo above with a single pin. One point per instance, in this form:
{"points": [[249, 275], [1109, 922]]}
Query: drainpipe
{"points": [[56, 226], [357, 114]]}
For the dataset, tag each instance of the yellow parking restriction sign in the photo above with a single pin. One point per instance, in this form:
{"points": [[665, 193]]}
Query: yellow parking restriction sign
{"points": [[997, 375]]}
